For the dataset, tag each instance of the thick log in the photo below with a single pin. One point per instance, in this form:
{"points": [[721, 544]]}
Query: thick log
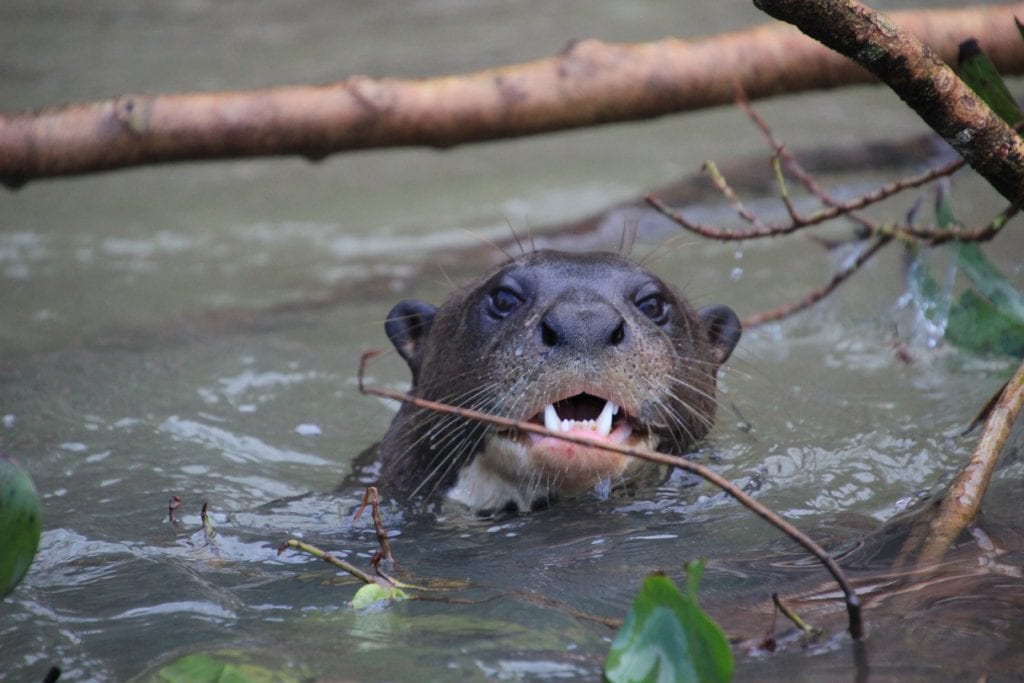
{"points": [[590, 83]]}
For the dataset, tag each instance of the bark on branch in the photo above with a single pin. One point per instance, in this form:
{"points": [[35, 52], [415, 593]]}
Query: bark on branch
{"points": [[590, 83], [960, 504], [919, 76]]}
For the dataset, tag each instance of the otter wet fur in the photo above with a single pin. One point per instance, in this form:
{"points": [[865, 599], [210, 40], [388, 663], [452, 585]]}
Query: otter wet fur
{"points": [[586, 343]]}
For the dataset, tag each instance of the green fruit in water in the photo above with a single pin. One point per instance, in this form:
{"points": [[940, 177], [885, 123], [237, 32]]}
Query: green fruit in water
{"points": [[19, 523]]}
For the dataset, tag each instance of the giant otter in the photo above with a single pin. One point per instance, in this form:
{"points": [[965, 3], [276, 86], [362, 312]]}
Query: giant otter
{"points": [[590, 343]]}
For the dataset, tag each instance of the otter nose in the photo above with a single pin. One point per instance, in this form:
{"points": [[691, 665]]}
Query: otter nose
{"points": [[588, 325]]}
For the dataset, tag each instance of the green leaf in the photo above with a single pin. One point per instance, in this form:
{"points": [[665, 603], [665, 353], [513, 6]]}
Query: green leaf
{"points": [[374, 592], [666, 637], [944, 217], [992, 284], [206, 668], [980, 327], [988, 321], [978, 71], [20, 523]]}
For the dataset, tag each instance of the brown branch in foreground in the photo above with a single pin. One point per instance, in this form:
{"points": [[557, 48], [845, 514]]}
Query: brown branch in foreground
{"points": [[856, 624], [590, 83], [919, 76], [962, 500]]}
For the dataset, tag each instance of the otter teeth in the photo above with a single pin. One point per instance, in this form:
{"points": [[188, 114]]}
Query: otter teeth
{"points": [[602, 425]]}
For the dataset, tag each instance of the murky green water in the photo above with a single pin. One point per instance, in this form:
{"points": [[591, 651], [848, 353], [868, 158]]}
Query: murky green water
{"points": [[195, 331]]}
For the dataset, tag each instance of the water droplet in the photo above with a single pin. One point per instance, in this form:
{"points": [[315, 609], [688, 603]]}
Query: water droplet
{"points": [[736, 274]]}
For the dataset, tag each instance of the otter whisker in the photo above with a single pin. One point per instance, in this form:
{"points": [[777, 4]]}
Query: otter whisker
{"points": [[590, 344], [689, 387]]}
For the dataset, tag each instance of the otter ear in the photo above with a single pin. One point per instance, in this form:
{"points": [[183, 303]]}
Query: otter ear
{"points": [[407, 326], [723, 328]]}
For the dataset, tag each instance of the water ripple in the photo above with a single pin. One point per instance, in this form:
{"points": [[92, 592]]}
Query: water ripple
{"points": [[237, 448]]}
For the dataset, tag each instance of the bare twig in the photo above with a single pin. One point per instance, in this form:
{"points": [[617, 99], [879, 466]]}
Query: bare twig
{"points": [[800, 222], [172, 509], [938, 235], [722, 186], [794, 617], [328, 558], [370, 497], [711, 232], [856, 624], [817, 295], [781, 152], [883, 233]]}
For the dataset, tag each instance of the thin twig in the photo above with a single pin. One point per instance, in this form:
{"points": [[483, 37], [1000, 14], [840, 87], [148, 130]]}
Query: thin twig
{"points": [[817, 295], [328, 558], [384, 553], [172, 509], [794, 166], [712, 232], [798, 222], [856, 624], [938, 235], [718, 180], [794, 617]]}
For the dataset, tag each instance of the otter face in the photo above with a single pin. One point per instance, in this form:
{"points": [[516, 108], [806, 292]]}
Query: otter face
{"points": [[589, 344]]}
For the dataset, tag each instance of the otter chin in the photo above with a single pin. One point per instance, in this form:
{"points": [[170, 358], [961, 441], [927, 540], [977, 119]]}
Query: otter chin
{"points": [[586, 344]]}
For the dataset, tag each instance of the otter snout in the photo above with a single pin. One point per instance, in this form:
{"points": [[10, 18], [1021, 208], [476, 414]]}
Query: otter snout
{"points": [[581, 324], [589, 344]]}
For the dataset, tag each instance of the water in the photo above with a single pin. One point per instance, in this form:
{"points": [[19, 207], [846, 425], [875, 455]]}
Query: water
{"points": [[195, 331]]}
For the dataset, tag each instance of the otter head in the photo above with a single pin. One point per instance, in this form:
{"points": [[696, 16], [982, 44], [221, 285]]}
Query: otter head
{"points": [[589, 344]]}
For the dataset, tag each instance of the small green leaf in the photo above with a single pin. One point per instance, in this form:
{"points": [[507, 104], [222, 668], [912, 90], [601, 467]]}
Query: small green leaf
{"points": [[944, 217], [978, 71], [20, 523], [980, 327], [374, 592], [206, 668], [992, 284], [666, 637]]}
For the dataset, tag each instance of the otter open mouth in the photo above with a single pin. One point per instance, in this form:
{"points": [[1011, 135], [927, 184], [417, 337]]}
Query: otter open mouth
{"points": [[528, 467], [588, 415]]}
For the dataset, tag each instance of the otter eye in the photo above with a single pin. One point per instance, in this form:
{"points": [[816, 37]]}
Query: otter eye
{"points": [[502, 302], [654, 307]]}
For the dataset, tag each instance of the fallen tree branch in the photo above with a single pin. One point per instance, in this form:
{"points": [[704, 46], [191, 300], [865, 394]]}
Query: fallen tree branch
{"points": [[590, 83], [920, 77], [856, 624], [962, 500]]}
